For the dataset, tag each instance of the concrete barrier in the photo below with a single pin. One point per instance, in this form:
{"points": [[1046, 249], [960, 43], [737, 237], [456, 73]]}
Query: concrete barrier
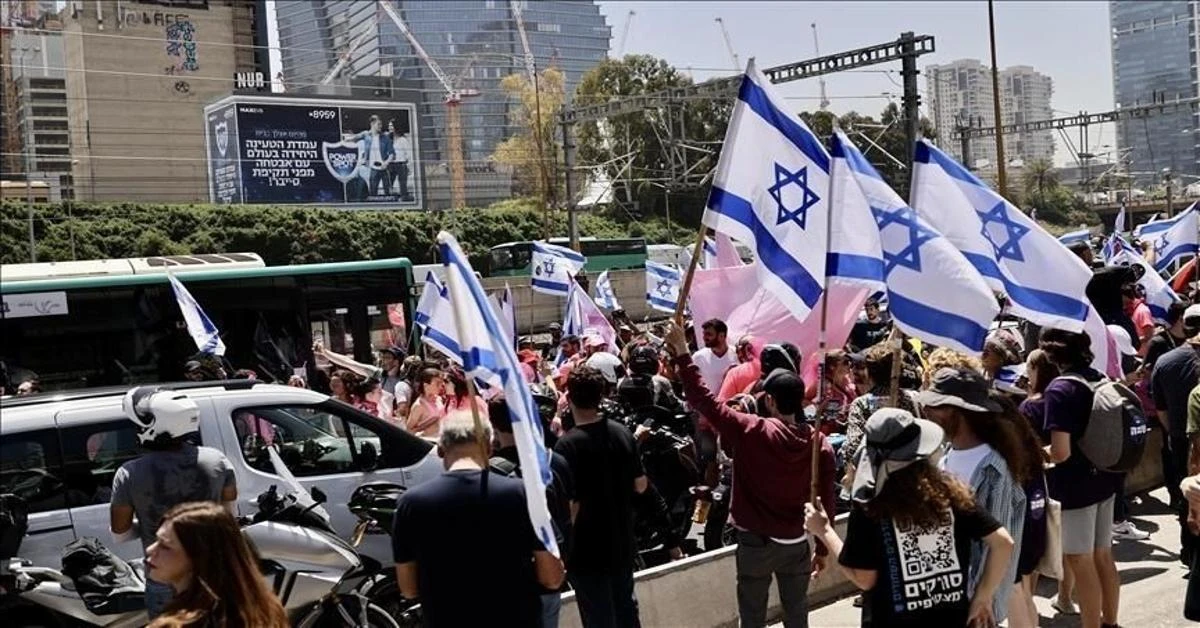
{"points": [[701, 591]]}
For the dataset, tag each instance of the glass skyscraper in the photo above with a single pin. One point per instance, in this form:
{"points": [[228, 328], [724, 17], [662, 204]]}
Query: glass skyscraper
{"points": [[1154, 47], [475, 42]]}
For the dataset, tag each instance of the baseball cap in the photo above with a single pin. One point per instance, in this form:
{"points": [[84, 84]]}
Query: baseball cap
{"points": [[960, 388], [1193, 311], [893, 439], [784, 384], [397, 352], [554, 327]]}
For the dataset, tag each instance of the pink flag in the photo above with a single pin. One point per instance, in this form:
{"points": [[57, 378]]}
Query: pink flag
{"points": [[733, 294], [584, 318], [726, 253]]}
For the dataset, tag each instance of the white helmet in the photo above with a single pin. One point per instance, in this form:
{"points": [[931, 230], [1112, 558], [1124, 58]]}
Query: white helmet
{"points": [[157, 412], [609, 365]]}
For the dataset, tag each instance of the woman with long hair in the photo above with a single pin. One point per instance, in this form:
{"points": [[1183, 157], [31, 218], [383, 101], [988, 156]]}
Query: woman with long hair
{"points": [[1022, 613], [342, 384], [985, 454], [1085, 492], [458, 394], [201, 553], [425, 416], [909, 537]]}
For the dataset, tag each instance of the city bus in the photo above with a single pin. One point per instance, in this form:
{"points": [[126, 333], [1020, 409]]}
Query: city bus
{"points": [[514, 258], [112, 322]]}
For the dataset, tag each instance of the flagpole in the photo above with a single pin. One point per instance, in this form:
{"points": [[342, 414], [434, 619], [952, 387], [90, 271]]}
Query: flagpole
{"points": [[461, 326], [686, 288]]}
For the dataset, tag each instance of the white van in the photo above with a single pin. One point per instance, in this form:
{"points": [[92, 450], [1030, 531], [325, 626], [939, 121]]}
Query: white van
{"points": [[59, 452]]}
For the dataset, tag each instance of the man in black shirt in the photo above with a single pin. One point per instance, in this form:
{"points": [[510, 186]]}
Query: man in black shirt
{"points": [[560, 494], [607, 468], [1164, 340], [468, 531], [872, 329]]}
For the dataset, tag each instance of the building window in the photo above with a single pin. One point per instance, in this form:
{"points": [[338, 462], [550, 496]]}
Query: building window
{"points": [[549, 28]]}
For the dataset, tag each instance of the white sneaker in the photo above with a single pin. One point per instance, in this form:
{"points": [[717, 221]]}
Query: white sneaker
{"points": [[1126, 531]]}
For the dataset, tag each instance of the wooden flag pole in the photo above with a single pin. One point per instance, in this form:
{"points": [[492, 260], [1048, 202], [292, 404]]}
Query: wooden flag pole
{"points": [[896, 337], [686, 288]]}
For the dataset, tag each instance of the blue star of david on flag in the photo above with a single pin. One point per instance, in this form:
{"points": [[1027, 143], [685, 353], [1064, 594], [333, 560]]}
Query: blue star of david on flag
{"points": [[1008, 245], [910, 255], [1160, 246], [664, 288], [548, 266], [799, 178]]}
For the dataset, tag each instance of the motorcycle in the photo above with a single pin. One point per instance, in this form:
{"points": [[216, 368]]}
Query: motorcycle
{"points": [[300, 555], [374, 503], [669, 459]]}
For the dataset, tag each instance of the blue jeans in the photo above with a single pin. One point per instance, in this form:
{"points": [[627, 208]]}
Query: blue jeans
{"points": [[158, 595], [551, 606], [606, 600]]}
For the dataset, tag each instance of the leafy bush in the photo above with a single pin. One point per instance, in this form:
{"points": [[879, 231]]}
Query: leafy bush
{"points": [[291, 235]]}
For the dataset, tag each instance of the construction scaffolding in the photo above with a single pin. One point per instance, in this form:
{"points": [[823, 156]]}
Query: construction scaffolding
{"points": [[690, 166]]}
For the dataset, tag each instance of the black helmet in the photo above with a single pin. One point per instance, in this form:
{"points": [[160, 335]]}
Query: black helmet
{"points": [[643, 360]]}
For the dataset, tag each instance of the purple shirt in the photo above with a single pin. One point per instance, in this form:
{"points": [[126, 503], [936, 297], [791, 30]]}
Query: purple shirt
{"points": [[1075, 482]]}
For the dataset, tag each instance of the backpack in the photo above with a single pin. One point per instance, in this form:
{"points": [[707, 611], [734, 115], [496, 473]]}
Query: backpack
{"points": [[1116, 432]]}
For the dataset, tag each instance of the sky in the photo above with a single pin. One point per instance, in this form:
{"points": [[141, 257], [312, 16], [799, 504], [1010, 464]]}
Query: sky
{"points": [[1068, 41]]}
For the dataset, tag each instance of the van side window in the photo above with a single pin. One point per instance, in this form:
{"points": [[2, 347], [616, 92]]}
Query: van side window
{"points": [[91, 456], [30, 468], [323, 439], [311, 441]]}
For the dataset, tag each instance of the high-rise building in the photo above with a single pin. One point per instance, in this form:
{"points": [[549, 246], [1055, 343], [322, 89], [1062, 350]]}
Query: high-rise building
{"points": [[960, 94], [1154, 59], [475, 42], [36, 108], [139, 76]]}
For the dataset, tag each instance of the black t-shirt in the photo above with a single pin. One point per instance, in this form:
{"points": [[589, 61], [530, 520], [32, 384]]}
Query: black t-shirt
{"points": [[559, 493], [1160, 343], [867, 333], [474, 551], [604, 459], [922, 573]]}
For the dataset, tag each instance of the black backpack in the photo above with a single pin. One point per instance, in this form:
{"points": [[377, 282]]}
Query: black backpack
{"points": [[106, 583]]}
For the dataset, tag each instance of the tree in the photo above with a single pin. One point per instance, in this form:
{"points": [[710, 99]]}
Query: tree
{"points": [[1039, 178], [641, 152], [532, 151]]}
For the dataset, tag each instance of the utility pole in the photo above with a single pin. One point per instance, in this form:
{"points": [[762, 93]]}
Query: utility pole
{"points": [[1001, 177], [911, 100], [962, 124], [568, 170]]}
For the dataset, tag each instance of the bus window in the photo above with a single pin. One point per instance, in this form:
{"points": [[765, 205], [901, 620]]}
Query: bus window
{"points": [[513, 259], [332, 329], [388, 327]]}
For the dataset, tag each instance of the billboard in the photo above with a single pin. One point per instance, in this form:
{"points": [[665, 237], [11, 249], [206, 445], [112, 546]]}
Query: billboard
{"points": [[313, 151]]}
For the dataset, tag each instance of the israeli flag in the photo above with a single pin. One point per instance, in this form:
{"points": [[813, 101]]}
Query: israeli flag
{"points": [[1083, 235], [554, 268], [710, 253], [934, 293], [1159, 295], [662, 286], [487, 356], [1008, 379], [502, 304], [605, 296], [1114, 245], [1119, 224], [199, 325], [1181, 238], [769, 192], [1149, 227], [1011, 251], [433, 291], [438, 331]]}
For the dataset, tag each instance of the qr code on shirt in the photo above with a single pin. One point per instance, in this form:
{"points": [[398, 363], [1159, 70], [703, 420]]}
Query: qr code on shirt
{"points": [[926, 551]]}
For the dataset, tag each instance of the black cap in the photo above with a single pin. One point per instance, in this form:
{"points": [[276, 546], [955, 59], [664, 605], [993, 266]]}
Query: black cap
{"points": [[397, 352], [960, 388], [784, 384]]}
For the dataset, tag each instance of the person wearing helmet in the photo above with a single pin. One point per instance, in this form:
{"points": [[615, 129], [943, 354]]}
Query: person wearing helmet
{"points": [[172, 471], [644, 386]]}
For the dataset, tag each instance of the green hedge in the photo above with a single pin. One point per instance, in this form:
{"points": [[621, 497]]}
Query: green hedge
{"points": [[288, 235]]}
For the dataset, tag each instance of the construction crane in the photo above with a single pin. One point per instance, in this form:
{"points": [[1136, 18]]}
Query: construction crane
{"points": [[531, 71], [625, 33], [344, 58], [817, 50], [454, 96], [737, 65]]}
